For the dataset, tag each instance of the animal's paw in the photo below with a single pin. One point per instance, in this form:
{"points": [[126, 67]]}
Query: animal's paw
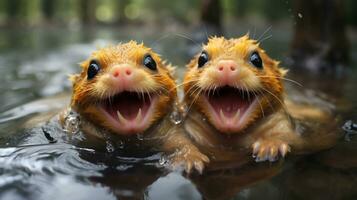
{"points": [[269, 150], [189, 158]]}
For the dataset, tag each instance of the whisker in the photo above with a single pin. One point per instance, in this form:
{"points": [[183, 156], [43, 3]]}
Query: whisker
{"points": [[195, 85], [194, 91], [147, 91], [204, 26], [142, 94], [270, 105], [209, 89], [152, 45], [256, 96], [255, 29], [175, 34], [260, 105], [159, 39], [214, 88], [199, 91], [268, 29], [282, 104], [183, 83], [268, 37], [244, 89], [188, 38], [286, 79], [194, 100]]}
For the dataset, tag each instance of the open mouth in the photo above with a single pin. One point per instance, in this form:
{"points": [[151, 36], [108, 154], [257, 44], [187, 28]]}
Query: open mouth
{"points": [[129, 112], [230, 107]]}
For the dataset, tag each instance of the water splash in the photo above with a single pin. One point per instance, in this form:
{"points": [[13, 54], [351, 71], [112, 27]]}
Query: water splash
{"points": [[176, 117], [178, 114], [140, 136], [109, 146], [164, 161], [72, 123], [350, 128], [120, 144]]}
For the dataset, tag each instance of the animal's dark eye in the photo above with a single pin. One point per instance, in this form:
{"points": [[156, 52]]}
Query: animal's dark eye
{"points": [[149, 62], [256, 60], [202, 59], [93, 69]]}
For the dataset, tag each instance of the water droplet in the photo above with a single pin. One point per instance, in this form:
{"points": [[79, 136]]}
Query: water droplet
{"points": [[163, 161], [176, 117], [110, 147], [71, 122], [350, 129], [120, 144], [140, 136], [300, 15], [179, 113]]}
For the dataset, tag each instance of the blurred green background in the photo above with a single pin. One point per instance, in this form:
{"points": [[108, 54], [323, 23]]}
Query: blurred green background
{"points": [[114, 12], [321, 30]]}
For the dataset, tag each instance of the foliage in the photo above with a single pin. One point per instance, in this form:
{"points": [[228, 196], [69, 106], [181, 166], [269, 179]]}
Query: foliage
{"points": [[34, 12]]}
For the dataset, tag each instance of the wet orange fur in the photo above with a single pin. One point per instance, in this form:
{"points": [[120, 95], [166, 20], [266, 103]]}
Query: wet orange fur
{"points": [[270, 131], [86, 93], [259, 81], [166, 137]]}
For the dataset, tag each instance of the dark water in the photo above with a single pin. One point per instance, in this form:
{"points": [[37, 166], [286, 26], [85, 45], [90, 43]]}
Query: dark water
{"points": [[35, 63]]}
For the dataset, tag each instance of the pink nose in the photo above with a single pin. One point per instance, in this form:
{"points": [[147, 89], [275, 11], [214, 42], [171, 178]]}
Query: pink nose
{"points": [[122, 77], [226, 66], [226, 71], [122, 72]]}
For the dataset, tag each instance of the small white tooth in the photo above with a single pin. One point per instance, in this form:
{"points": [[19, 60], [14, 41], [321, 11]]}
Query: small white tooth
{"points": [[222, 115], [121, 118], [138, 116], [236, 117]]}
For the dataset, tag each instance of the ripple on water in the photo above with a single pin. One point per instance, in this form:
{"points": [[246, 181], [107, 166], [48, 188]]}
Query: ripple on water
{"points": [[49, 159], [56, 170], [28, 169]]}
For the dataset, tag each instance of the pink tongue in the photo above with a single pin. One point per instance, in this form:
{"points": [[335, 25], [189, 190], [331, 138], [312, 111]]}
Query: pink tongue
{"points": [[128, 104], [229, 101]]}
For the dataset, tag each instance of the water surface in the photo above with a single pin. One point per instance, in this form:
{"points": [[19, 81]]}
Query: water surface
{"points": [[34, 65]]}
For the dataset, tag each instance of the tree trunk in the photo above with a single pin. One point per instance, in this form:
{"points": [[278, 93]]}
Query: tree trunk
{"points": [[13, 12], [320, 42], [211, 13], [241, 8], [87, 11], [48, 9], [120, 6]]}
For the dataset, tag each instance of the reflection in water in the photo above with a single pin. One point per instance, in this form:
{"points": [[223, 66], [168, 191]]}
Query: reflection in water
{"points": [[228, 183], [34, 166]]}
